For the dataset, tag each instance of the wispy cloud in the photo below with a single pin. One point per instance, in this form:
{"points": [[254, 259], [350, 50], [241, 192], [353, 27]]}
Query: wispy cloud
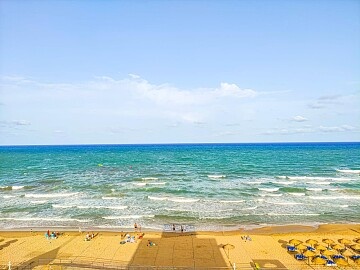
{"points": [[331, 100], [299, 118], [309, 129], [14, 123]]}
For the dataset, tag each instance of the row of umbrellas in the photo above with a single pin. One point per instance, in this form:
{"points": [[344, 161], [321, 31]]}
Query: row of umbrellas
{"points": [[325, 251]]}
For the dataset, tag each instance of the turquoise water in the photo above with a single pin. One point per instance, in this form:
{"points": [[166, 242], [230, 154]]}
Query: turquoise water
{"points": [[210, 186]]}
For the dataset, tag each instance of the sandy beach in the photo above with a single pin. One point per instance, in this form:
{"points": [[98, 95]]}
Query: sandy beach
{"points": [[200, 250]]}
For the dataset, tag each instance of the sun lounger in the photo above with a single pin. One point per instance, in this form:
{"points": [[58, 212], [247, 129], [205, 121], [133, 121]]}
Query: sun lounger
{"points": [[311, 248], [330, 263], [355, 257], [338, 256], [300, 257], [291, 248]]}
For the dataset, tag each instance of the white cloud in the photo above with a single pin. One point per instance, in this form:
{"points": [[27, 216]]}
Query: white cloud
{"points": [[15, 123], [342, 128], [309, 129], [299, 118]]}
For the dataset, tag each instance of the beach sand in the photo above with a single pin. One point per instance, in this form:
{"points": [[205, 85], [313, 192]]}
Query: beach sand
{"points": [[201, 250]]}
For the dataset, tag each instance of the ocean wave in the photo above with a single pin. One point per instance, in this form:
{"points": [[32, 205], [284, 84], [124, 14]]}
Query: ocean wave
{"points": [[52, 195], [314, 189], [297, 194], [157, 183], [335, 197], [317, 178], [286, 203], [149, 178], [318, 183], [250, 208], [129, 217], [57, 219], [11, 187], [254, 182], [284, 183], [270, 195], [140, 184], [293, 189], [39, 202], [293, 214], [231, 201], [117, 207], [269, 189], [348, 171], [110, 198], [173, 199], [215, 176], [8, 196]]}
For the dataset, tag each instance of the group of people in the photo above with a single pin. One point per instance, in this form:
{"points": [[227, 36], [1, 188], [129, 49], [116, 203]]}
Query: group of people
{"points": [[137, 227], [89, 236], [181, 228], [52, 234], [246, 238]]}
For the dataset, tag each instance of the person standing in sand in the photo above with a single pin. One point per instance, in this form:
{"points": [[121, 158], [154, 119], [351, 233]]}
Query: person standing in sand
{"points": [[135, 227]]}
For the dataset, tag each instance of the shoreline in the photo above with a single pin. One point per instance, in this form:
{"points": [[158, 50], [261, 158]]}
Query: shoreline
{"points": [[267, 229]]}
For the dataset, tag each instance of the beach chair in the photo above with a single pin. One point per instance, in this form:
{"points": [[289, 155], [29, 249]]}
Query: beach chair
{"points": [[355, 257], [291, 249], [330, 263], [300, 257], [311, 248], [338, 256]]}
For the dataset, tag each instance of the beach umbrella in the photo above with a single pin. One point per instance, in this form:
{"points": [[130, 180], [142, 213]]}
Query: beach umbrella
{"points": [[311, 242], [356, 246], [346, 252], [337, 247], [328, 241], [295, 242], [309, 253], [301, 247], [228, 247], [319, 260], [344, 241], [328, 252], [341, 262], [320, 247]]}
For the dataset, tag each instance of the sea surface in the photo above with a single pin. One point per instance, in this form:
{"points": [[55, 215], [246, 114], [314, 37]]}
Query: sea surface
{"points": [[202, 186]]}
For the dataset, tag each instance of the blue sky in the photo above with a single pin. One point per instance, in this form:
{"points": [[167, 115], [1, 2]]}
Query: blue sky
{"points": [[179, 71]]}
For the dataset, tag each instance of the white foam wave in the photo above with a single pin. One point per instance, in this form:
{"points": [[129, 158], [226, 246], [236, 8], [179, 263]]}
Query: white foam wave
{"points": [[292, 214], [110, 198], [62, 206], [17, 187], [149, 178], [348, 171], [270, 195], [116, 207], [129, 217], [39, 202], [335, 197], [183, 200], [3, 187], [140, 184], [157, 183], [8, 196], [269, 189], [284, 183], [232, 201], [254, 182], [58, 219], [286, 203], [52, 195], [250, 208], [297, 194], [215, 176], [157, 198], [318, 183], [314, 189]]}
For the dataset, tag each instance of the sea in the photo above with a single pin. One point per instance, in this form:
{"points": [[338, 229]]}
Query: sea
{"points": [[199, 186]]}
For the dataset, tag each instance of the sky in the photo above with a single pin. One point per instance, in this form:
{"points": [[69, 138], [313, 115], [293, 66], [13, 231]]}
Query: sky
{"points": [[123, 72]]}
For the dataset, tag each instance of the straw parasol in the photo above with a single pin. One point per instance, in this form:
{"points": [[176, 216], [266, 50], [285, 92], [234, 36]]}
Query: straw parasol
{"points": [[328, 241], [344, 241], [357, 240], [228, 247], [311, 242], [309, 253], [341, 262], [295, 242], [356, 246], [346, 253], [301, 247], [319, 261], [328, 252], [337, 247], [320, 247]]}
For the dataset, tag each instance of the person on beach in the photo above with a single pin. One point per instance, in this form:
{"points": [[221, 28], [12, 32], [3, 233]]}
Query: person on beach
{"points": [[173, 227], [182, 229], [135, 227]]}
